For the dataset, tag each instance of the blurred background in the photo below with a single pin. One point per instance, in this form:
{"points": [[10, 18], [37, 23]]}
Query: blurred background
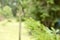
{"points": [[40, 19], [9, 20]]}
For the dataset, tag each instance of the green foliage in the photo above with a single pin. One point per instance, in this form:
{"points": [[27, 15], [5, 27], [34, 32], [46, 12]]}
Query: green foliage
{"points": [[41, 10], [39, 31], [38, 9], [6, 12], [50, 1]]}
